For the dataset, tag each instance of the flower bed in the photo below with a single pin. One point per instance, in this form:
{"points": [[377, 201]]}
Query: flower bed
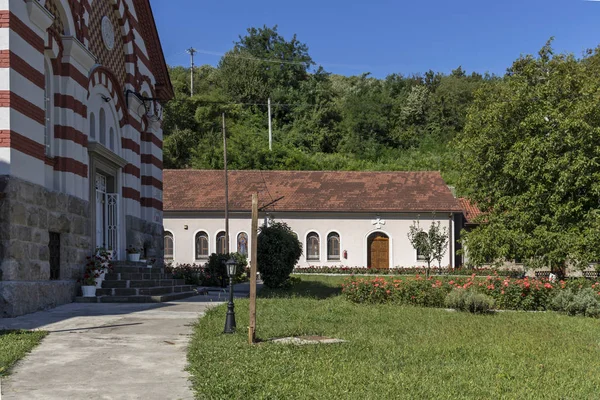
{"points": [[508, 293], [347, 270]]}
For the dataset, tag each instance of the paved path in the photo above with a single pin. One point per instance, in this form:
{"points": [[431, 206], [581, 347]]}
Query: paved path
{"points": [[108, 351]]}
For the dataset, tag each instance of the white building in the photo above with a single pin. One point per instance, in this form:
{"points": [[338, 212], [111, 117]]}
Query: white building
{"points": [[341, 218]]}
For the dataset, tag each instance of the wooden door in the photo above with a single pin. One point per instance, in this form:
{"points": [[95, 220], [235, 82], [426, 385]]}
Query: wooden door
{"points": [[379, 251]]}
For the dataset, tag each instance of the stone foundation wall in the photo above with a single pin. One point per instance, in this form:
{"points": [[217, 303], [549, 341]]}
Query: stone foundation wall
{"points": [[145, 234], [28, 213]]}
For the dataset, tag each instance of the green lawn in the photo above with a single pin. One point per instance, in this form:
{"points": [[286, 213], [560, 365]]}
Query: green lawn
{"points": [[392, 351], [14, 345]]}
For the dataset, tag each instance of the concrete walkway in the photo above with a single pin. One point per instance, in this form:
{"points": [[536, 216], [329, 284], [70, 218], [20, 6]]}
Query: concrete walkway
{"points": [[108, 351]]}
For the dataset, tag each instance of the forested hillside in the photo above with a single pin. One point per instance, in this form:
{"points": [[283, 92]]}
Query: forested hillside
{"points": [[321, 121]]}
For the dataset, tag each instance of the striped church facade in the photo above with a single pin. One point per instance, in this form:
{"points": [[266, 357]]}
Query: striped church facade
{"points": [[81, 86]]}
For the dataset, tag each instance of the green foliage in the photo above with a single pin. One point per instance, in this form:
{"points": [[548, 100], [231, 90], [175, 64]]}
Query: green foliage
{"points": [[529, 159], [215, 271], [414, 291], [469, 300], [431, 245], [15, 345], [278, 251], [320, 121], [584, 302]]}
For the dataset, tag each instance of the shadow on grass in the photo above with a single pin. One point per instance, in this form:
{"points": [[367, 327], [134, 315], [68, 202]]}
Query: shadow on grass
{"points": [[311, 289]]}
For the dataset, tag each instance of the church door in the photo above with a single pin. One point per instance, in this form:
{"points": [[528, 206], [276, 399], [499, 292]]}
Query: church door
{"points": [[378, 251], [106, 213]]}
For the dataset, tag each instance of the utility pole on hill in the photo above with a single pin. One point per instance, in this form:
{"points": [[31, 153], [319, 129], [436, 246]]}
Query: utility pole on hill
{"points": [[191, 51], [270, 128]]}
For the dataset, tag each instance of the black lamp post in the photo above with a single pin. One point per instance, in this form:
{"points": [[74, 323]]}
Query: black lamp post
{"points": [[230, 265]]}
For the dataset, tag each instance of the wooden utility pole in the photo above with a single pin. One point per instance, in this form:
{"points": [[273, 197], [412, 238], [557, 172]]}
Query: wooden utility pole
{"points": [[226, 188], [253, 269], [270, 128]]}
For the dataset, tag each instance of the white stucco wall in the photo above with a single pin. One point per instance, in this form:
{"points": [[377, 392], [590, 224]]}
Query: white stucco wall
{"points": [[353, 229]]}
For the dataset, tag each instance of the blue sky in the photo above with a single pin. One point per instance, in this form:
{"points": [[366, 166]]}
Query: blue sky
{"points": [[383, 37]]}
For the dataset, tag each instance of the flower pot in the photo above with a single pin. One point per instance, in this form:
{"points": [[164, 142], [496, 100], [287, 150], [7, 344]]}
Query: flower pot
{"points": [[133, 257], [88, 291], [101, 273]]}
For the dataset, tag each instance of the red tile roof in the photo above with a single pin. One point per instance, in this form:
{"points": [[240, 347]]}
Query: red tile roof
{"points": [[334, 191], [470, 210]]}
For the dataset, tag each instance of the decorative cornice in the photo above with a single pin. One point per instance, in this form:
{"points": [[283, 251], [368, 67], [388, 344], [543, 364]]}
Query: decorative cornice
{"points": [[38, 14], [75, 50], [100, 151]]}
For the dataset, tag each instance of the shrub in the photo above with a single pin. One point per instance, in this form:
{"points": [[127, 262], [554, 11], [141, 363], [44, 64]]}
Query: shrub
{"points": [[278, 251], [414, 291], [469, 300], [193, 274], [585, 302], [215, 271], [352, 270]]}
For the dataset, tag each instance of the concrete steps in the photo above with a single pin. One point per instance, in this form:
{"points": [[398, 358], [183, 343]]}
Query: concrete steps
{"points": [[133, 282]]}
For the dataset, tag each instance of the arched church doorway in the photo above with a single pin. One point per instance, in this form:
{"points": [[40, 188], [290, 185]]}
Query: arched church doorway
{"points": [[378, 247]]}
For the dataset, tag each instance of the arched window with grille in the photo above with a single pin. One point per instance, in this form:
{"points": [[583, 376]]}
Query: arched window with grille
{"points": [[333, 246], [221, 243], [168, 240], [312, 246], [201, 245]]}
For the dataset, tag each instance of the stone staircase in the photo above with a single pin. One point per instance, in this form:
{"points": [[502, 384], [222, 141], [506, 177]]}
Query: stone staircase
{"points": [[135, 282]]}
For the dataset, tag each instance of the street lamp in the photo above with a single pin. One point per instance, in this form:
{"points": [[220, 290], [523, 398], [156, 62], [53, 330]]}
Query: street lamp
{"points": [[230, 265]]}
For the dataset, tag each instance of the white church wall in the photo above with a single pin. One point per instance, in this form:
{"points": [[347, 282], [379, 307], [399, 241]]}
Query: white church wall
{"points": [[353, 229]]}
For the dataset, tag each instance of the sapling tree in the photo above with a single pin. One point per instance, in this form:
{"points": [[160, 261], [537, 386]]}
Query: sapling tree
{"points": [[431, 244], [438, 237]]}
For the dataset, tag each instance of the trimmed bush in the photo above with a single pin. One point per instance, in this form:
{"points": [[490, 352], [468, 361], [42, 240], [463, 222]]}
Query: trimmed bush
{"points": [[585, 302], [278, 251], [469, 300]]}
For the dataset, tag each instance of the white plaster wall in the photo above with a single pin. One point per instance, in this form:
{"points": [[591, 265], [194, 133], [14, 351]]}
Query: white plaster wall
{"points": [[4, 160], [352, 228]]}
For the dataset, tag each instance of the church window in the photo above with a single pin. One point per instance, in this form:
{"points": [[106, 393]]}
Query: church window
{"points": [[221, 243], [242, 243], [168, 246], [102, 127], [201, 245], [312, 246], [111, 139], [333, 246], [92, 126]]}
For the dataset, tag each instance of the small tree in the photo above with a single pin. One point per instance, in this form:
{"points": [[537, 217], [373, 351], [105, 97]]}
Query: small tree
{"points": [[278, 251], [430, 245], [439, 241]]}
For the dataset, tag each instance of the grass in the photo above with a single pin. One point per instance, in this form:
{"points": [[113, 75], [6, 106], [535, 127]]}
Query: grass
{"points": [[14, 345], [392, 351]]}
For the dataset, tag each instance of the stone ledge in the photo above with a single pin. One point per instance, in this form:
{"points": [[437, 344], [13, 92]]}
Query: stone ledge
{"points": [[24, 297]]}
